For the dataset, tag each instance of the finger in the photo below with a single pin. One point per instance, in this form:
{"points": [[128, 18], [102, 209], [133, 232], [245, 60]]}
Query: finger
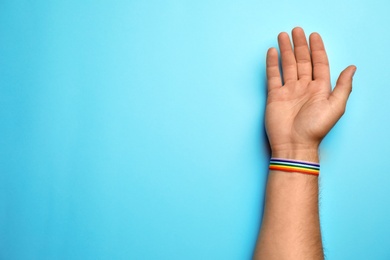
{"points": [[273, 73], [319, 58], [342, 89], [289, 65], [302, 54]]}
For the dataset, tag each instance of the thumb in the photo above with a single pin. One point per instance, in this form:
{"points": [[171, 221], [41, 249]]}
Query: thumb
{"points": [[343, 88]]}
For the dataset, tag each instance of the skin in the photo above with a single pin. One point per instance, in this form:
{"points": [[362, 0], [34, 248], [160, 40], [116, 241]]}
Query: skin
{"points": [[301, 109]]}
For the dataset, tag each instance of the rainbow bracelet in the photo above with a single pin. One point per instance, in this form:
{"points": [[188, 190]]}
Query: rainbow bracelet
{"points": [[278, 164]]}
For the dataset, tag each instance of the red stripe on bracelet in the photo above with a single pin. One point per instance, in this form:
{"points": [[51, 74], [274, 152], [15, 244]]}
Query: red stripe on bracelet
{"points": [[293, 169]]}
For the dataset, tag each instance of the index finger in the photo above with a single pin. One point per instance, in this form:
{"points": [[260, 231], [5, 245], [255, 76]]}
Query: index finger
{"points": [[319, 58]]}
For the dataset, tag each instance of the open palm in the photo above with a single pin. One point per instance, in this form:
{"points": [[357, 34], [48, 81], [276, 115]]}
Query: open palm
{"points": [[302, 111]]}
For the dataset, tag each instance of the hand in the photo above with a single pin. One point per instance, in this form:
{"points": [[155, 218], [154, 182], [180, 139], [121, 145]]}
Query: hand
{"points": [[302, 111]]}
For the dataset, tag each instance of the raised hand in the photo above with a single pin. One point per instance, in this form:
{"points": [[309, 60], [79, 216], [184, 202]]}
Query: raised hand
{"points": [[301, 106]]}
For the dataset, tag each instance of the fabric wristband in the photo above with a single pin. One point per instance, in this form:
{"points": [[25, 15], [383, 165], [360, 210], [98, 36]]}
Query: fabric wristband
{"points": [[287, 165]]}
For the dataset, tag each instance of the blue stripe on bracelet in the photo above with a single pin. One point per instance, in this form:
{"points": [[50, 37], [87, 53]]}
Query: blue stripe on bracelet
{"points": [[276, 160]]}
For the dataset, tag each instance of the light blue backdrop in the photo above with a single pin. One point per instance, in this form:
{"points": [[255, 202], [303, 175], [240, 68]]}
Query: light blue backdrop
{"points": [[134, 129]]}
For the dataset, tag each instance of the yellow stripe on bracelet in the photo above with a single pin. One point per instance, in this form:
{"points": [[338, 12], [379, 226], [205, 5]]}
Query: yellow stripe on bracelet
{"points": [[278, 164], [293, 169]]}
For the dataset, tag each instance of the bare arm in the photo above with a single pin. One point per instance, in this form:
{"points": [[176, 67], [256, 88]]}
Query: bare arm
{"points": [[300, 111]]}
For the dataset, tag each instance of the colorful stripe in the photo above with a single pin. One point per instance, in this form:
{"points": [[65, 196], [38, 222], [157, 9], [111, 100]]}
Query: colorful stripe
{"points": [[287, 165]]}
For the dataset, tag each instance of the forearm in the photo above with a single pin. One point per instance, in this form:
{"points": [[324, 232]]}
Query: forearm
{"points": [[291, 228], [301, 109]]}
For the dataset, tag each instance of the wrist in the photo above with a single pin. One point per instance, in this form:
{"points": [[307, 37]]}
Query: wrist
{"points": [[309, 154]]}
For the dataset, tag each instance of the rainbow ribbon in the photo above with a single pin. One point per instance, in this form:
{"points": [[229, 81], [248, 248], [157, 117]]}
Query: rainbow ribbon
{"points": [[278, 164]]}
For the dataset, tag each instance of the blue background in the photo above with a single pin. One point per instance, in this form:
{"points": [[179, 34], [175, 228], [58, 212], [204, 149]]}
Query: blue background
{"points": [[134, 129]]}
